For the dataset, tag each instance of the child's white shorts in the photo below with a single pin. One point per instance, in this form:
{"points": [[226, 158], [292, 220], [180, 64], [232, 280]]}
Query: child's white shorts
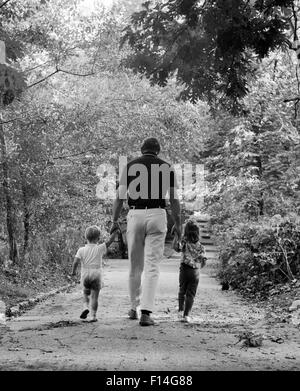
{"points": [[91, 279]]}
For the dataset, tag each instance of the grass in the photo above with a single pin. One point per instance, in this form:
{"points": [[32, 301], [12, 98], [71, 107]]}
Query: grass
{"points": [[10, 293], [28, 281]]}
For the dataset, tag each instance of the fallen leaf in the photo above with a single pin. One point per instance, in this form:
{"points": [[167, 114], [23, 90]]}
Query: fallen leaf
{"points": [[277, 339]]}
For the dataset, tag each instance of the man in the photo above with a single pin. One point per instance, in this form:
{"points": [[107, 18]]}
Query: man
{"points": [[146, 182]]}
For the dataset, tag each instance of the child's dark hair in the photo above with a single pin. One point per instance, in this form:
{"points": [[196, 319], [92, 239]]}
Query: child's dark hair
{"points": [[191, 232], [92, 233]]}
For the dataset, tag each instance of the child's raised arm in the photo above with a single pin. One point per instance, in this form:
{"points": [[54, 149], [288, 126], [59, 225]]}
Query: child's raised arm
{"points": [[176, 243], [112, 238]]}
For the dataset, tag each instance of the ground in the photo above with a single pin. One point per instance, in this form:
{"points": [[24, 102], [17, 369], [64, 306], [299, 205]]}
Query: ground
{"points": [[52, 337]]}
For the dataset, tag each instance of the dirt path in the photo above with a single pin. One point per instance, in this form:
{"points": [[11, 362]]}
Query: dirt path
{"points": [[50, 336]]}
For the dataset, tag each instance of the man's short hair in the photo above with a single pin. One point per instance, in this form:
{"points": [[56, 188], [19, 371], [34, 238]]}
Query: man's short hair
{"points": [[92, 233], [151, 145]]}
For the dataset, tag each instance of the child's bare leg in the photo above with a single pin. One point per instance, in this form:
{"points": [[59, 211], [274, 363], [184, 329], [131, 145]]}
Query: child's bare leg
{"points": [[86, 302], [94, 303], [86, 299]]}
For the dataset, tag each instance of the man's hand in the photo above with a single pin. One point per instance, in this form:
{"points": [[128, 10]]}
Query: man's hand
{"points": [[114, 233], [115, 226], [176, 230], [176, 244], [72, 277], [117, 207]]}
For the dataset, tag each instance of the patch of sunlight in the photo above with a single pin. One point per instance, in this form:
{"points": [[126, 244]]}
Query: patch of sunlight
{"points": [[89, 6]]}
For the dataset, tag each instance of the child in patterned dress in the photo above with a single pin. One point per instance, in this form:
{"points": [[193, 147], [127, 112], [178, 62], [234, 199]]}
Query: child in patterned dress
{"points": [[191, 260]]}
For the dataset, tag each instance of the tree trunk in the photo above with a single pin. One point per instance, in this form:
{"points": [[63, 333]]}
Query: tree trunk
{"points": [[13, 250], [261, 204], [261, 200], [26, 217]]}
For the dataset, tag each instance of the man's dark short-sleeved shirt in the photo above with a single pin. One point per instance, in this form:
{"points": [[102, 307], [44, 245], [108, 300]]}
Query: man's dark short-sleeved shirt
{"points": [[148, 180]]}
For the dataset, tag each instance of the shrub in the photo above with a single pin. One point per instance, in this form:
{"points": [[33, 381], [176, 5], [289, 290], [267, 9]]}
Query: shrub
{"points": [[258, 255]]}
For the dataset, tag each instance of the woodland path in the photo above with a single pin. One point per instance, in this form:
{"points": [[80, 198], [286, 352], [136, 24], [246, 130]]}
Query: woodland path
{"points": [[51, 337]]}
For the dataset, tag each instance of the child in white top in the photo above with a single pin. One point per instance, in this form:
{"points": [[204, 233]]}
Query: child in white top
{"points": [[90, 257]]}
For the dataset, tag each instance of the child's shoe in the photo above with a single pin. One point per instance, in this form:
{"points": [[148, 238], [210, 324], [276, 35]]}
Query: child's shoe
{"points": [[180, 316], [187, 319], [84, 314], [94, 317], [132, 314]]}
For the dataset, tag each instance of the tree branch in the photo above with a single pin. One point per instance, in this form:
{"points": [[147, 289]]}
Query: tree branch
{"points": [[3, 4], [45, 78], [296, 22], [11, 120], [297, 99], [76, 74], [127, 100], [74, 155], [63, 71], [37, 66], [298, 80]]}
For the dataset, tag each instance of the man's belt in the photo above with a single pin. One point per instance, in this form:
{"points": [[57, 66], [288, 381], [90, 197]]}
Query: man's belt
{"points": [[146, 207]]}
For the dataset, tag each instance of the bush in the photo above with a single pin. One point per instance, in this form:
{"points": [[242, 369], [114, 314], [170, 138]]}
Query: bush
{"points": [[258, 255]]}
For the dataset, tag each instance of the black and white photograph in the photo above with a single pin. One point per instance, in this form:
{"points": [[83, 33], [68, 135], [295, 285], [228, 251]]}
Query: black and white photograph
{"points": [[150, 189]]}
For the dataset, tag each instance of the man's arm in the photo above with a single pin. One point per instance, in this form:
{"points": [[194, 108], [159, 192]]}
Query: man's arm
{"points": [[117, 207], [175, 209], [176, 244], [121, 195]]}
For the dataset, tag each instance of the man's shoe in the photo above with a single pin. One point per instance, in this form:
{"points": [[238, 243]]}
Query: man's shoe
{"points": [[133, 314], [146, 320]]}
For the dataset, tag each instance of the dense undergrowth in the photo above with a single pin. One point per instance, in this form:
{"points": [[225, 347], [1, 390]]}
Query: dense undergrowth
{"points": [[256, 257]]}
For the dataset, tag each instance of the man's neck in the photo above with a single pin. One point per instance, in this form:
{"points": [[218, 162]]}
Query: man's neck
{"points": [[150, 154]]}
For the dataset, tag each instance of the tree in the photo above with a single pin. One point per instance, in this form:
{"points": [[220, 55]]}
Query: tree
{"points": [[211, 47], [253, 161], [78, 110], [36, 30], [11, 84]]}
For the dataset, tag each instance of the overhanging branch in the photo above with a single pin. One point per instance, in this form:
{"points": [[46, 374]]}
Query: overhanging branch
{"points": [[3, 4], [296, 99], [76, 74], [75, 154], [11, 120], [45, 78], [62, 71]]}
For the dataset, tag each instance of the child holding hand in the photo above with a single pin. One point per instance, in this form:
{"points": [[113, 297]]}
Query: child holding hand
{"points": [[90, 257], [191, 260]]}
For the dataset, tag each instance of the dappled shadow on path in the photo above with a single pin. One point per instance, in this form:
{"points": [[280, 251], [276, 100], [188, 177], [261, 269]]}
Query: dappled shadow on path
{"points": [[54, 325]]}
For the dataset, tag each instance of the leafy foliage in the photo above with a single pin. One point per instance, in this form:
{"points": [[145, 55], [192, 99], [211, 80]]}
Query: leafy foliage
{"points": [[209, 46], [259, 255], [253, 177], [63, 127], [80, 108]]}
